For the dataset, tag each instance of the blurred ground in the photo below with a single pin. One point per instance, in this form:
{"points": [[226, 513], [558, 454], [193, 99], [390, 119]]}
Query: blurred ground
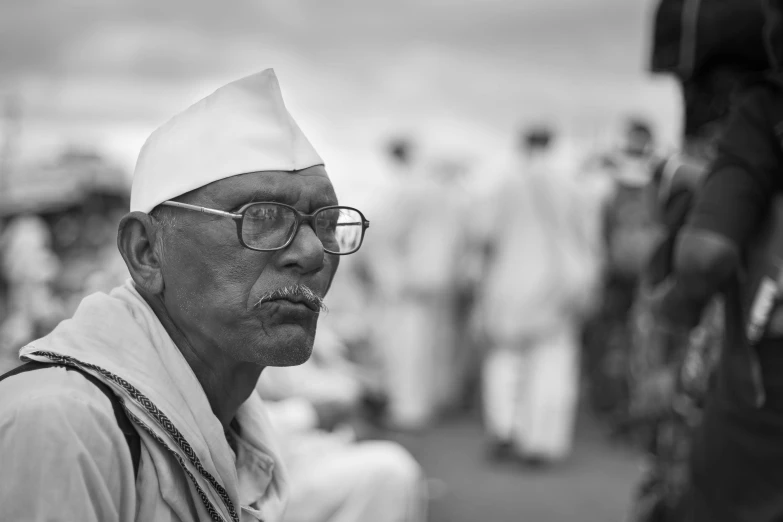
{"points": [[594, 486]]}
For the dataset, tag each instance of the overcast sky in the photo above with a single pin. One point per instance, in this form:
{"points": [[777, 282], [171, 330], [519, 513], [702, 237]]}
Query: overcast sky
{"points": [[458, 73]]}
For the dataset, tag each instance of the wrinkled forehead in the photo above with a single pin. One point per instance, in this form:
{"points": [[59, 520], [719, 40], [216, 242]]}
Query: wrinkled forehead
{"points": [[309, 187]]}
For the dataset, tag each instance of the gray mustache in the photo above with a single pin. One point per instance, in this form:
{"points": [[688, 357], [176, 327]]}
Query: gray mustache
{"points": [[304, 292]]}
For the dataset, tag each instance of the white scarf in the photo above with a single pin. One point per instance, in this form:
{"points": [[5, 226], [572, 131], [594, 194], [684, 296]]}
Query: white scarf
{"points": [[118, 339]]}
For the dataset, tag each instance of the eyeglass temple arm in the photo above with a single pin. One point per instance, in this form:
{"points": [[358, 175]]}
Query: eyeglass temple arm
{"points": [[231, 214], [201, 209]]}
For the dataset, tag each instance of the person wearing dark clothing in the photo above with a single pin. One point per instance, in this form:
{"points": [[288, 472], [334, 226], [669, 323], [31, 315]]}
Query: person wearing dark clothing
{"points": [[736, 470], [631, 231], [669, 371]]}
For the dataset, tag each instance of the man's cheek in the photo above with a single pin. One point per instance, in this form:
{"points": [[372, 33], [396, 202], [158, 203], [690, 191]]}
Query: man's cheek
{"points": [[231, 278], [330, 270]]}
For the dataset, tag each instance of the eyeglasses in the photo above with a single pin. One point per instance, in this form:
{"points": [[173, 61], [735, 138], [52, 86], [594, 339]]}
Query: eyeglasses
{"points": [[267, 227]]}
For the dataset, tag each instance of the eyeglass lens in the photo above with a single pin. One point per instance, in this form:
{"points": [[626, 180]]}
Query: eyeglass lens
{"points": [[270, 226]]}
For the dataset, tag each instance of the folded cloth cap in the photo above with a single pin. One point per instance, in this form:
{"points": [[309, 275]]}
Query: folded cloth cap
{"points": [[242, 127]]}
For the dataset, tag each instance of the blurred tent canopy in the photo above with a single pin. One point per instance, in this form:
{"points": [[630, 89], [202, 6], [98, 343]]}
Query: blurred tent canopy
{"points": [[65, 182]]}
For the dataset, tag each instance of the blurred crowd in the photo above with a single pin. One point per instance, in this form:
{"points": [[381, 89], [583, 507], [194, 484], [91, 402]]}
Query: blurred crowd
{"points": [[58, 229], [518, 295]]}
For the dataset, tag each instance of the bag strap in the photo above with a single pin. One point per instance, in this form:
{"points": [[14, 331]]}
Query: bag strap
{"points": [[131, 435]]}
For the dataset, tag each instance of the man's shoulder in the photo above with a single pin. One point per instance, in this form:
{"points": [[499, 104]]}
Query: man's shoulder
{"points": [[46, 394], [57, 431]]}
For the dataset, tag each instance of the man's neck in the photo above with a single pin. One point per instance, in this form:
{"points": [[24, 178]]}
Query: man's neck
{"points": [[226, 383], [226, 387]]}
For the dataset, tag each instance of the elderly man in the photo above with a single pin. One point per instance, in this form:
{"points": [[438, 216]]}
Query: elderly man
{"points": [[141, 407]]}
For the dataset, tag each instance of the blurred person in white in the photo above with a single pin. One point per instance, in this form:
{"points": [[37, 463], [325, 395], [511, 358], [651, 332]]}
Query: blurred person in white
{"points": [[28, 266], [333, 476], [412, 266], [143, 406], [459, 376], [540, 275]]}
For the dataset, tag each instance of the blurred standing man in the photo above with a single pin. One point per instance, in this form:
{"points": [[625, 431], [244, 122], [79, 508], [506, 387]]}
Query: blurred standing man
{"points": [[537, 271], [737, 458], [28, 267], [142, 406], [413, 266]]}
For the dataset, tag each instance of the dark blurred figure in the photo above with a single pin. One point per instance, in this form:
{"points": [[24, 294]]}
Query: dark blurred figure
{"points": [[672, 370], [669, 371], [632, 229], [737, 460]]}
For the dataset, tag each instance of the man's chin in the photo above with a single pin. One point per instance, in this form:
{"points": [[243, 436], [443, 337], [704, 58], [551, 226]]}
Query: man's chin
{"points": [[293, 346], [293, 357]]}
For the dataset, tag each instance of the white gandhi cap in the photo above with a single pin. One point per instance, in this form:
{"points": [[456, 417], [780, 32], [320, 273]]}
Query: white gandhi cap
{"points": [[242, 127]]}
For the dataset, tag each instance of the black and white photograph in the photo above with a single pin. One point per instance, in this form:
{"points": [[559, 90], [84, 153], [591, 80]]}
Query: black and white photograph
{"points": [[391, 261]]}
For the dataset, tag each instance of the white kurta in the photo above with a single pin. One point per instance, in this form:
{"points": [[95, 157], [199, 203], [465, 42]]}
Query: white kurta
{"points": [[64, 456], [333, 477], [414, 255], [538, 280]]}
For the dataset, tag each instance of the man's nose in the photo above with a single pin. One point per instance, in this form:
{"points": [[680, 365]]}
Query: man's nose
{"points": [[306, 252]]}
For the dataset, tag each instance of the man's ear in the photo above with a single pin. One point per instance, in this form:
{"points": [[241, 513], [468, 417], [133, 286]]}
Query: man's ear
{"points": [[137, 240]]}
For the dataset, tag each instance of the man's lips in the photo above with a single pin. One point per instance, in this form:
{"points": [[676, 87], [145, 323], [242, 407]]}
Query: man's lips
{"points": [[296, 300]]}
